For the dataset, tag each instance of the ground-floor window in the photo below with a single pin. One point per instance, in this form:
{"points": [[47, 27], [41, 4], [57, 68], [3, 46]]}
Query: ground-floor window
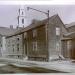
{"points": [[34, 45]]}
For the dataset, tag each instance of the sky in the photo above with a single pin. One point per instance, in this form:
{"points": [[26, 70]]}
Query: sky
{"points": [[9, 13]]}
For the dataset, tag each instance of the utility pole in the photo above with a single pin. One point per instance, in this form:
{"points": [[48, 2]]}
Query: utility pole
{"points": [[47, 14]]}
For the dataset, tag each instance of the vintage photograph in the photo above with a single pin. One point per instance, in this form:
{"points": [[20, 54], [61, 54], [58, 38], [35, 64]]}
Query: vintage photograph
{"points": [[37, 39]]}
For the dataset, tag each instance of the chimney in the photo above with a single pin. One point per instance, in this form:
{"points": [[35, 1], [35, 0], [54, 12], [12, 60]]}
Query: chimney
{"points": [[17, 27], [34, 21], [11, 26]]}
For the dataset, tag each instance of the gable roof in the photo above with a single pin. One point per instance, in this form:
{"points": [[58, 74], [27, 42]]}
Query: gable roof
{"points": [[35, 24], [72, 24]]}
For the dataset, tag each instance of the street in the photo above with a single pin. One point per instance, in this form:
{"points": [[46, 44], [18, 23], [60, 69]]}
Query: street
{"points": [[8, 65], [14, 69]]}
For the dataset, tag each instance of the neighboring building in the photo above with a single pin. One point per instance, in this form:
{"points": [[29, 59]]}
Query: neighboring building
{"points": [[14, 43], [68, 42], [70, 27], [14, 46], [0, 45], [4, 31]]}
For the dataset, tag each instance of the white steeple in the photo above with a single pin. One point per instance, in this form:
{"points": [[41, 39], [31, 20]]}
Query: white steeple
{"points": [[21, 17]]}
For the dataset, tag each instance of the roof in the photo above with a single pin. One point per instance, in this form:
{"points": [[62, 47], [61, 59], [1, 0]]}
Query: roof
{"points": [[34, 25], [70, 25], [5, 31], [70, 35], [66, 38], [38, 23]]}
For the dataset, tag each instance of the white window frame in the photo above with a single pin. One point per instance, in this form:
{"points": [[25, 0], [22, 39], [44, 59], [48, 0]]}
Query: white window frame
{"points": [[57, 31]]}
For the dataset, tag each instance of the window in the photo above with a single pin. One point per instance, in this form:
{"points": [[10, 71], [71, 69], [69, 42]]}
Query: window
{"points": [[18, 56], [69, 44], [35, 46], [57, 46], [1, 45], [22, 21], [25, 35], [57, 31], [13, 47], [17, 47], [8, 42], [18, 39], [69, 47], [34, 33], [22, 12]]}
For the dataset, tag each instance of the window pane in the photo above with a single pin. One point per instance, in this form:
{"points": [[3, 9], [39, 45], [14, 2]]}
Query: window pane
{"points": [[22, 13], [57, 31], [17, 47], [22, 21], [34, 33]]}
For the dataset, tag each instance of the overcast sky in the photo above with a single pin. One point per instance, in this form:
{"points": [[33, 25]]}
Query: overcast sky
{"points": [[9, 13]]}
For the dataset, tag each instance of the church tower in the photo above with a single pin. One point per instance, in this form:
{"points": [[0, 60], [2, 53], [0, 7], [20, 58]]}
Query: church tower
{"points": [[21, 17]]}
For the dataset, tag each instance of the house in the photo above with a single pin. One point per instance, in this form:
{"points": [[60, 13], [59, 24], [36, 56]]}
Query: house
{"points": [[42, 41]]}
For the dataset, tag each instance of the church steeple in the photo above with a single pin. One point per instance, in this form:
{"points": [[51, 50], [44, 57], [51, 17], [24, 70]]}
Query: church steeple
{"points": [[21, 17]]}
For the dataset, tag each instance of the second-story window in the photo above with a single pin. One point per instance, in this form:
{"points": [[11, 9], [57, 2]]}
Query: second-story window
{"points": [[25, 35], [18, 39], [57, 31], [17, 47], [34, 33]]}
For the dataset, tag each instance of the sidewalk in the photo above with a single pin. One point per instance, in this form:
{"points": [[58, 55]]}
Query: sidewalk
{"points": [[60, 65]]}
